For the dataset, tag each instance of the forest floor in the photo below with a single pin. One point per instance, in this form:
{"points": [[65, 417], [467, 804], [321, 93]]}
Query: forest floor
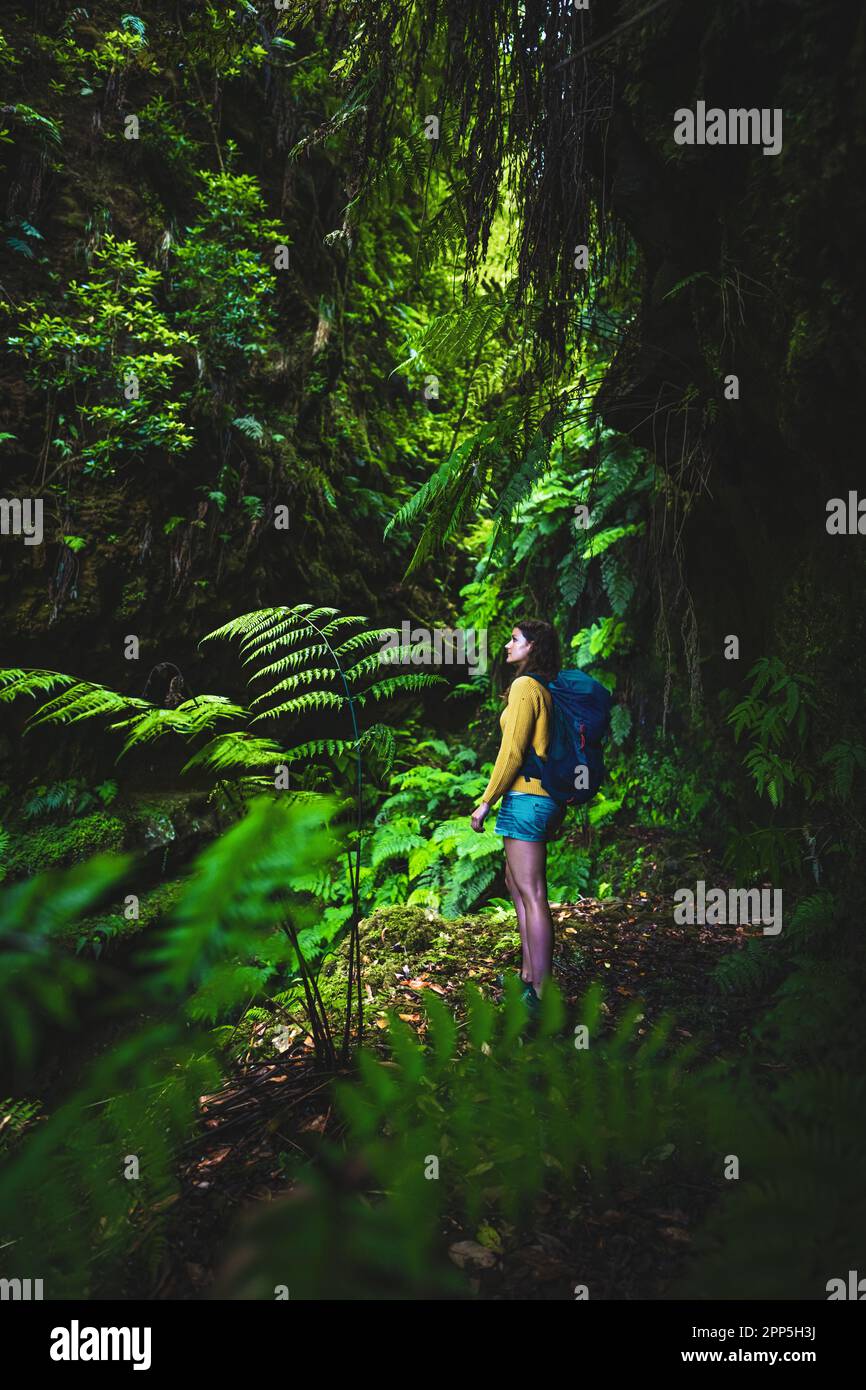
{"points": [[632, 1247]]}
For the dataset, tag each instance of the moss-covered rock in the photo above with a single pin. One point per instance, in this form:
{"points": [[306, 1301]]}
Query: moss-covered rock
{"points": [[401, 944], [57, 846], [107, 927]]}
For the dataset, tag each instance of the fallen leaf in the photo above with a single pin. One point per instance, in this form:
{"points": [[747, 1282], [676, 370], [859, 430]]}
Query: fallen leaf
{"points": [[315, 1126]]}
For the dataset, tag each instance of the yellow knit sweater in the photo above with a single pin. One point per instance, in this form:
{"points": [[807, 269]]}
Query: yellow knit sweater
{"points": [[525, 724]]}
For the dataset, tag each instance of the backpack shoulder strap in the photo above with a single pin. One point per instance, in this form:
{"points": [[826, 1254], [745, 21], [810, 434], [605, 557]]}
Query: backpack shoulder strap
{"points": [[541, 681]]}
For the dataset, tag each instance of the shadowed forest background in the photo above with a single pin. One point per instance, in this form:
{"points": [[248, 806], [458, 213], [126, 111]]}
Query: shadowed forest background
{"points": [[322, 319]]}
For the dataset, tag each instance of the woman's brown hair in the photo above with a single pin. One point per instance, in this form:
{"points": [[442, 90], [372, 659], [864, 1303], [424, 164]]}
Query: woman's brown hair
{"points": [[543, 660]]}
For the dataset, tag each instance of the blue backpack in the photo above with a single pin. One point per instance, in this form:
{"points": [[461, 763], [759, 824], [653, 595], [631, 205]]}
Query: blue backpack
{"points": [[581, 720]]}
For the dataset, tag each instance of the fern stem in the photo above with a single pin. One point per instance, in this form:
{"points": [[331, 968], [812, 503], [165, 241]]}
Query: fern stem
{"points": [[354, 874]]}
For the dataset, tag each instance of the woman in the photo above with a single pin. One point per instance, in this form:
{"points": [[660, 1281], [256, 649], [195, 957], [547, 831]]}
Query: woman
{"points": [[528, 817]]}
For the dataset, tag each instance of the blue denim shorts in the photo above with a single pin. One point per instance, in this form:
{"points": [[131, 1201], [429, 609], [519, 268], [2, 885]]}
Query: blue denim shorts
{"points": [[527, 816]]}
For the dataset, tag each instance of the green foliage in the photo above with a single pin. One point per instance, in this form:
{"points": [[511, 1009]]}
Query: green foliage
{"points": [[43, 127], [422, 852], [771, 851], [111, 357], [54, 845], [37, 987], [620, 723], [661, 782], [309, 659], [15, 1117], [67, 798], [569, 872], [800, 1215], [599, 642], [224, 287], [772, 720], [308, 646], [790, 765], [234, 936], [504, 1120], [844, 759]]}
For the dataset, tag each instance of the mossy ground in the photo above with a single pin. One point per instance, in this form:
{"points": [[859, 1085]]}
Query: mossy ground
{"points": [[629, 943], [58, 846]]}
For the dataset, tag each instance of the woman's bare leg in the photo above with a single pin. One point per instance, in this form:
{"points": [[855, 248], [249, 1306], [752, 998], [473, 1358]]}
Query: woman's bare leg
{"points": [[527, 866], [526, 966]]}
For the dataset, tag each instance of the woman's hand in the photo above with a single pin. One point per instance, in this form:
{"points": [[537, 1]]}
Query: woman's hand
{"points": [[479, 815]]}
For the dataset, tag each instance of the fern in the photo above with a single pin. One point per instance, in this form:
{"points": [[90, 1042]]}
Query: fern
{"points": [[290, 652], [396, 842], [466, 885], [844, 759], [235, 750], [618, 583], [15, 682], [605, 1110], [60, 1192], [602, 540], [43, 126]]}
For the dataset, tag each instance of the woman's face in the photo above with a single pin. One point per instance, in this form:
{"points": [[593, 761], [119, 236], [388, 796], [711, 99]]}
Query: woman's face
{"points": [[517, 649]]}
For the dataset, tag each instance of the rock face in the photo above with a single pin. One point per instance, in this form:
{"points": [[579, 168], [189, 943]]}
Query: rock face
{"points": [[743, 370]]}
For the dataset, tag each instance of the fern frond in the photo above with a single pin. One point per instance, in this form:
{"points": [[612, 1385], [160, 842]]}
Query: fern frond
{"points": [[84, 701], [844, 758], [618, 583], [571, 576], [336, 625], [188, 719], [363, 639], [381, 740], [600, 542], [466, 885], [235, 750], [396, 841], [536, 460], [246, 624], [396, 685], [304, 704], [295, 682], [453, 467], [317, 748], [15, 682], [292, 660]]}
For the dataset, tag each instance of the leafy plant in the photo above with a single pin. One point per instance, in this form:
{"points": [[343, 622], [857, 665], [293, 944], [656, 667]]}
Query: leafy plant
{"points": [[496, 1121], [238, 934]]}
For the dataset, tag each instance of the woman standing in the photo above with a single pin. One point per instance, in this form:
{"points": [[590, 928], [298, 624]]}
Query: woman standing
{"points": [[528, 817]]}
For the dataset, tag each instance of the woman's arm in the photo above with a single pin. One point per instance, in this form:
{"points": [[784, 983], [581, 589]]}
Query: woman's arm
{"points": [[524, 699]]}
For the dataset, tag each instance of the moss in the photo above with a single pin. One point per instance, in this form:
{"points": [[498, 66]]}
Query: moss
{"points": [[57, 846], [399, 939], [109, 926]]}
